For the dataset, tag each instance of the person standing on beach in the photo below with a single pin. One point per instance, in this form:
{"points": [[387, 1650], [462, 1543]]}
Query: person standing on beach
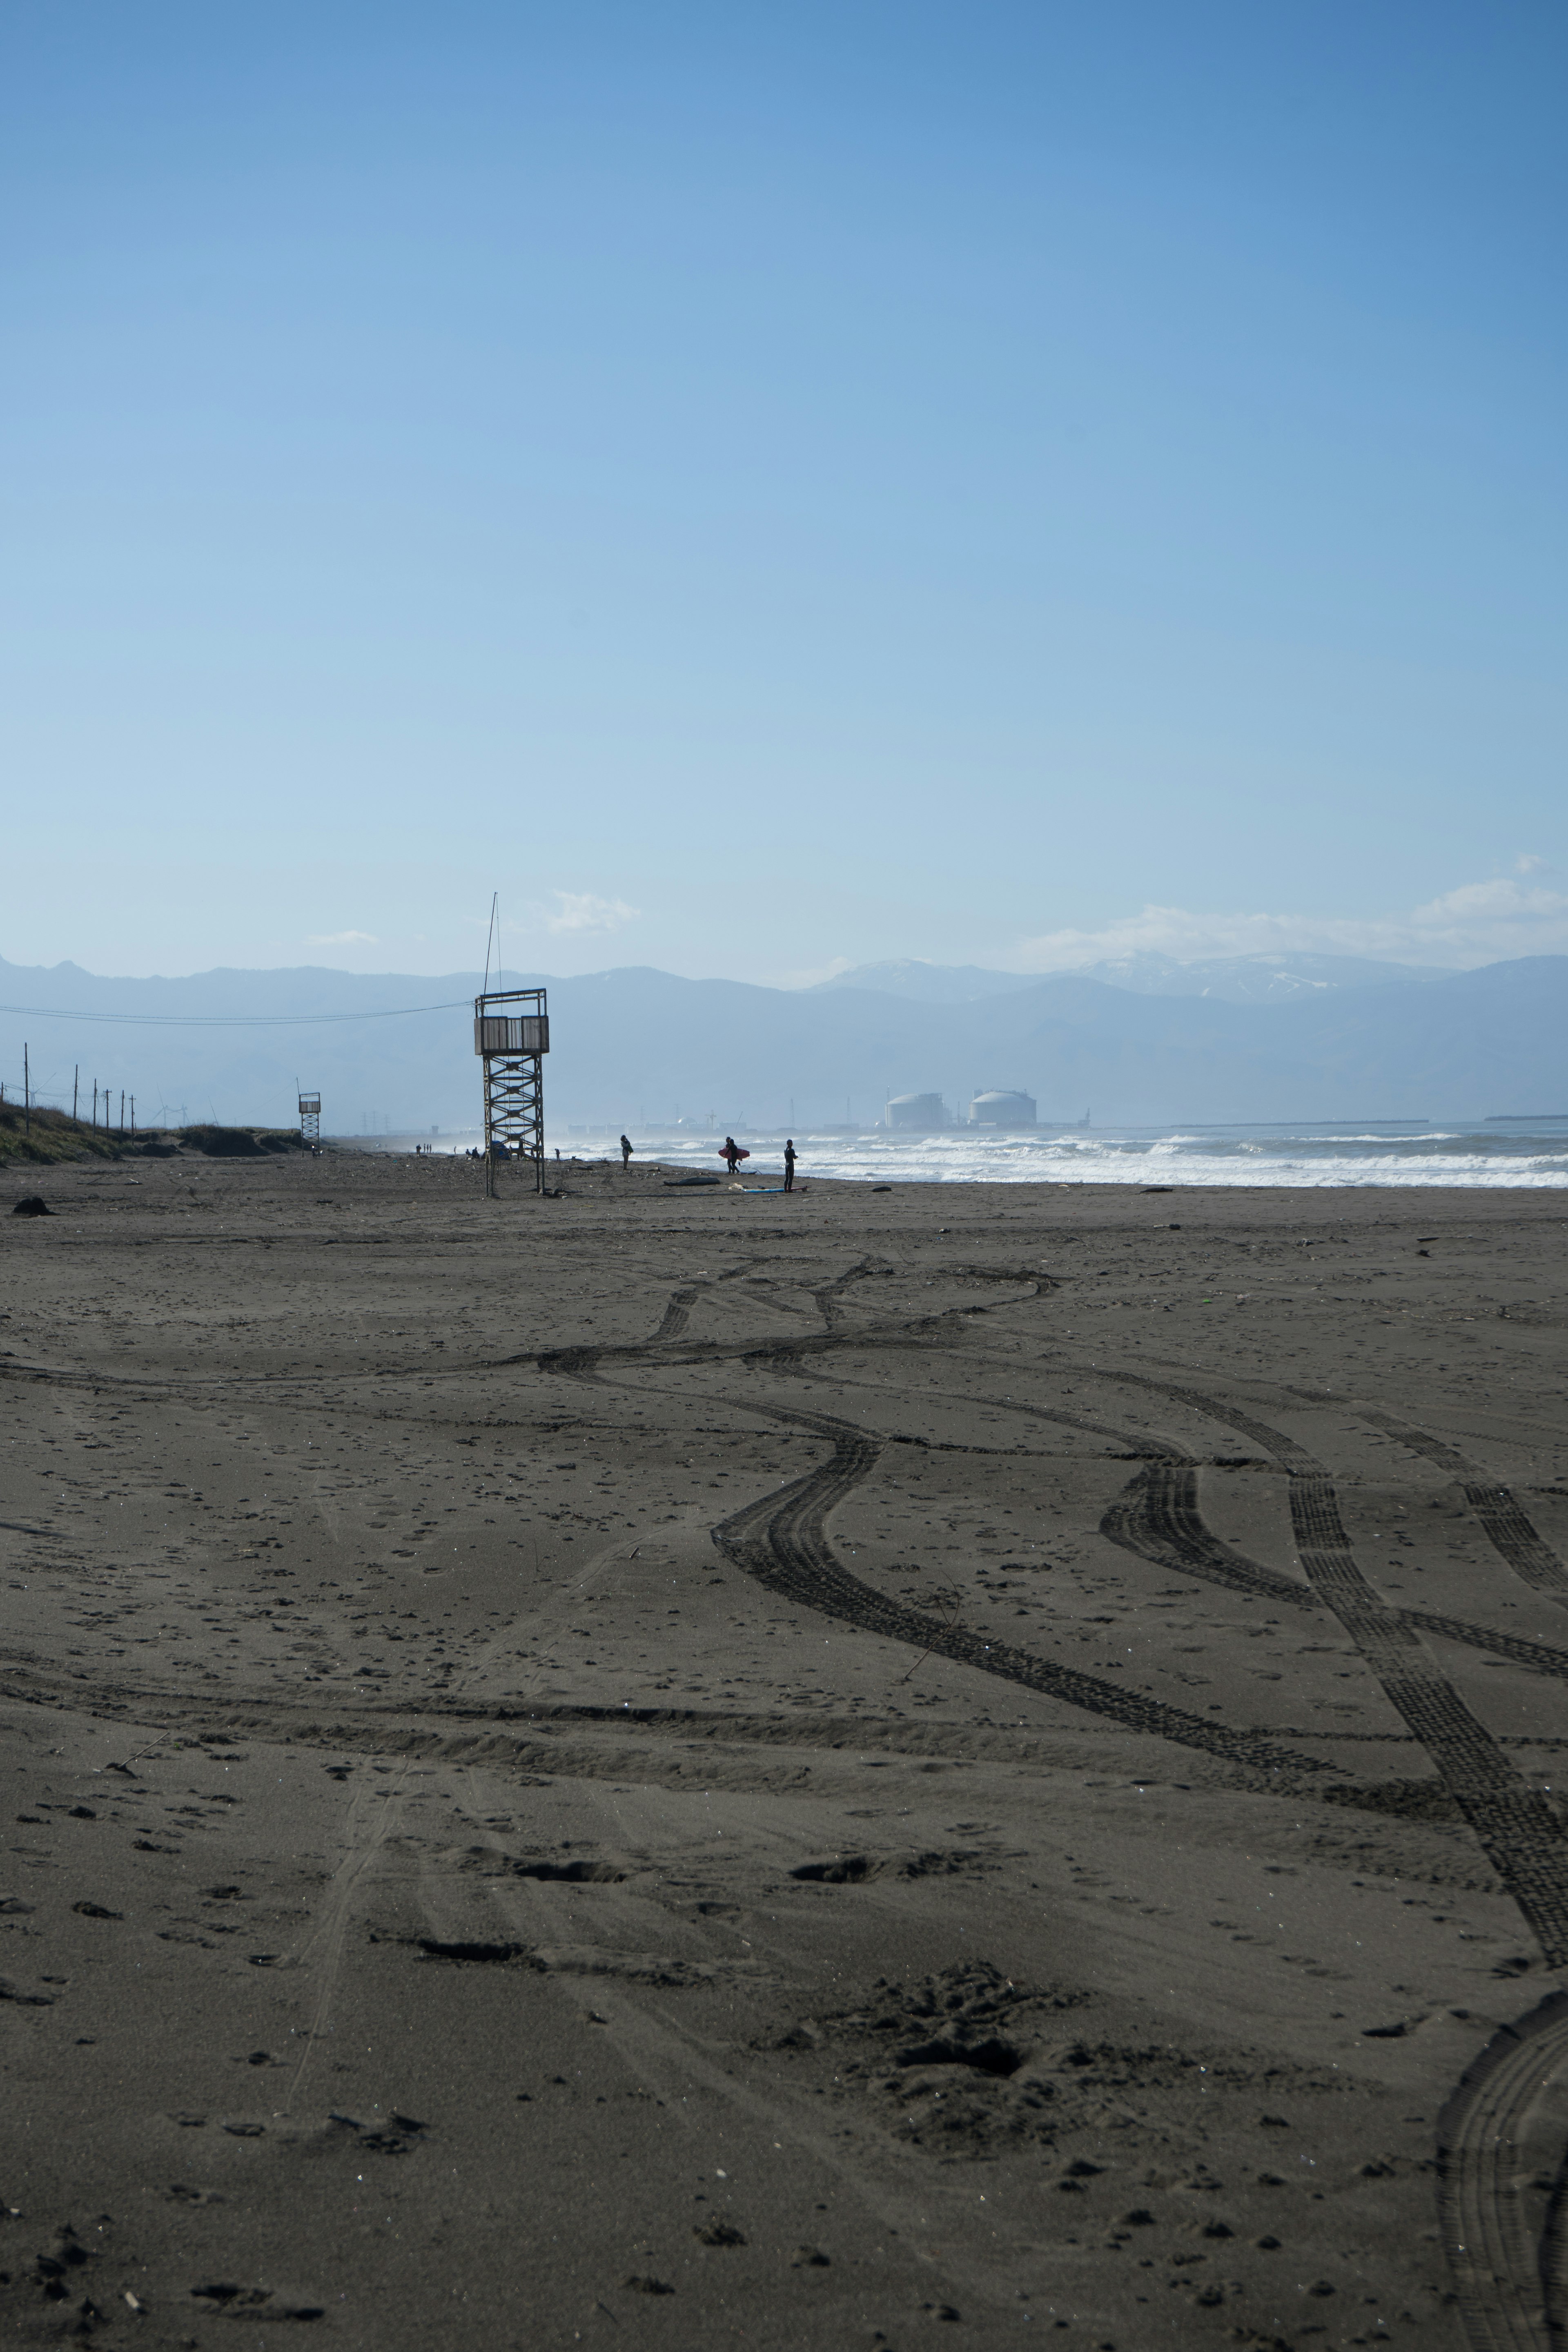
{"points": [[732, 1153], [789, 1163], [625, 1151]]}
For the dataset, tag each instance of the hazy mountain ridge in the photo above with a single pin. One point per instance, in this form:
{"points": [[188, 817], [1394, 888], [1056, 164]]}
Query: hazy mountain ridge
{"points": [[1237, 980], [637, 1046], [927, 983]]}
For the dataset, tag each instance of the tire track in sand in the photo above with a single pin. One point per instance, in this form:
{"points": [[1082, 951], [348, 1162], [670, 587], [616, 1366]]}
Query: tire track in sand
{"points": [[673, 1349], [1510, 2284], [1508, 1527], [367, 1828], [1160, 1519], [1517, 1829], [781, 1542], [1508, 2289], [677, 1313]]}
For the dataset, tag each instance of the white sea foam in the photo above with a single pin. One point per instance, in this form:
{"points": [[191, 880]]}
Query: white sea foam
{"points": [[1449, 1156]]}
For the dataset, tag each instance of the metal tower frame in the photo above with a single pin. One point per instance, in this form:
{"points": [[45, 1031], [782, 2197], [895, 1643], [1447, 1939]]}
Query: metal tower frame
{"points": [[511, 1036], [311, 1120]]}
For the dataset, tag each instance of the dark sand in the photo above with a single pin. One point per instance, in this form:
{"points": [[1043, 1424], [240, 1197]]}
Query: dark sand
{"points": [[686, 1768]]}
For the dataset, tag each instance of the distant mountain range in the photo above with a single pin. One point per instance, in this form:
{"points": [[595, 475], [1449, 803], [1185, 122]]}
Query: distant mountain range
{"points": [[1236, 980], [1247, 1038]]}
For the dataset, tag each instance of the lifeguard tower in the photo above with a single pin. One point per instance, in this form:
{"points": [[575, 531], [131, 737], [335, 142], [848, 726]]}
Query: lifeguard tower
{"points": [[310, 1121], [511, 1036]]}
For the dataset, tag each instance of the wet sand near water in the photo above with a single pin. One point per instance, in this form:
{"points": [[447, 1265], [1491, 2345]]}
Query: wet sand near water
{"points": [[681, 1767]]}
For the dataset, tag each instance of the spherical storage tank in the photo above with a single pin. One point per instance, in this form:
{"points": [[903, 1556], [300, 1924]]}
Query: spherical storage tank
{"points": [[1002, 1107], [916, 1111]]}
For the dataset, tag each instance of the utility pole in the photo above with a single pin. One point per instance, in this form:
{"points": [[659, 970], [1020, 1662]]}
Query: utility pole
{"points": [[75, 1081], [132, 1114], [27, 1093], [122, 1114]]}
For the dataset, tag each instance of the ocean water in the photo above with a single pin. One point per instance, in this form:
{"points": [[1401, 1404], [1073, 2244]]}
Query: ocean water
{"points": [[1459, 1155]]}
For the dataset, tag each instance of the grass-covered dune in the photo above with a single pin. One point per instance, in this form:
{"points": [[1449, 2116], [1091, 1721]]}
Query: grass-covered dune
{"points": [[43, 1136]]}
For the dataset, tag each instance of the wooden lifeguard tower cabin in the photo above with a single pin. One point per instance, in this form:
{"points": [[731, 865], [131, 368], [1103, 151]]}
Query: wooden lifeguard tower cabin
{"points": [[511, 1036]]}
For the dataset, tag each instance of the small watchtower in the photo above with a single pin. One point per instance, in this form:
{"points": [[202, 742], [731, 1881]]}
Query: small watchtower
{"points": [[310, 1121], [511, 1036]]}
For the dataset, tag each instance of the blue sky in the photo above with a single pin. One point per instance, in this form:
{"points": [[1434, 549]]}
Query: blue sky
{"points": [[769, 487]]}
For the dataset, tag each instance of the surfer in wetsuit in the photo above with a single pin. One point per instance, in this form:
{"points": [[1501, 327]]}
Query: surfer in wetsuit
{"points": [[789, 1163], [732, 1153], [625, 1151]]}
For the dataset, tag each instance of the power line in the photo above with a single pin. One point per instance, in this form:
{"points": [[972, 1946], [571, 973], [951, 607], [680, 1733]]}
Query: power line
{"points": [[230, 1020]]}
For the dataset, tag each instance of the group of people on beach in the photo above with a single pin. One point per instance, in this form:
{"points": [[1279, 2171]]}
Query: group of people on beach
{"points": [[731, 1154]]}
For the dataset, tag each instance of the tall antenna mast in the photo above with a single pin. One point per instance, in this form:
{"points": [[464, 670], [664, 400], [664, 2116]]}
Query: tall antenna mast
{"points": [[495, 923]]}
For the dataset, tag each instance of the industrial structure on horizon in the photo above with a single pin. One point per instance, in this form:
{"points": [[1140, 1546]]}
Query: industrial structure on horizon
{"points": [[1002, 1107], [996, 1106], [915, 1114]]}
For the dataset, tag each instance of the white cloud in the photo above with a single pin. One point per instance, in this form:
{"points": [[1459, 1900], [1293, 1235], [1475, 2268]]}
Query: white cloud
{"points": [[580, 910], [341, 939], [1480, 922]]}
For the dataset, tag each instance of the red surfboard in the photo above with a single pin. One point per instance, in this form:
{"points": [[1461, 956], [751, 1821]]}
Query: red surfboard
{"points": [[738, 1154]]}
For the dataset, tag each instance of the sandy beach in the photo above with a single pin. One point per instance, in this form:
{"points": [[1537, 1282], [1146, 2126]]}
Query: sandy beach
{"points": [[684, 1767]]}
